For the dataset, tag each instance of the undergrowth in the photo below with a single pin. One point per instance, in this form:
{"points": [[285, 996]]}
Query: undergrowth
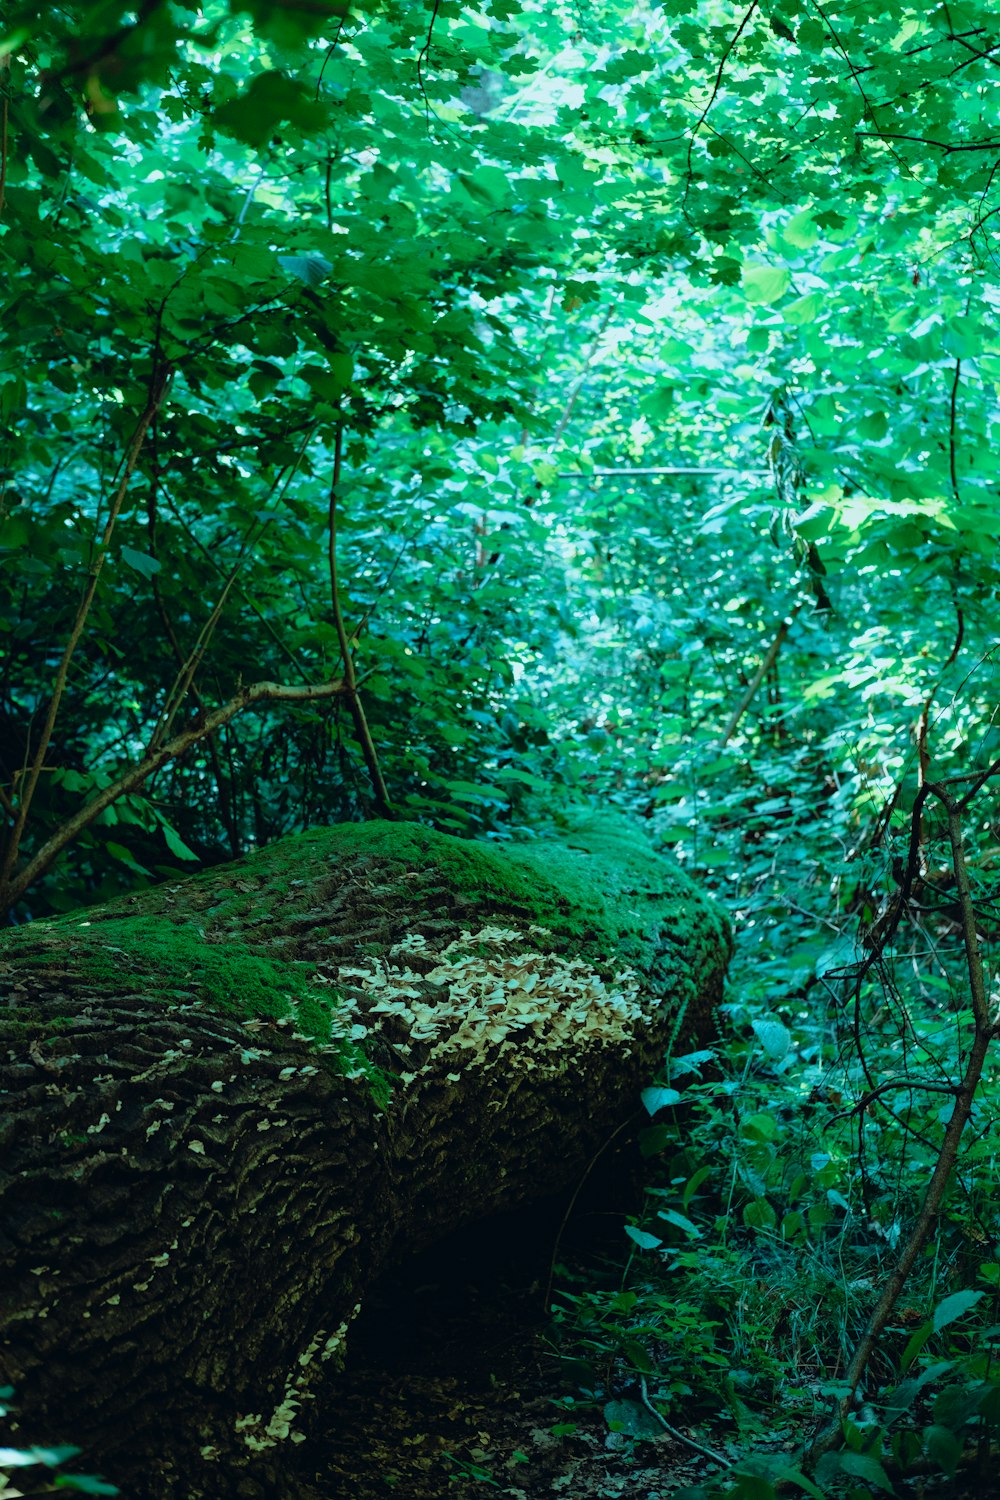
{"points": [[785, 1166]]}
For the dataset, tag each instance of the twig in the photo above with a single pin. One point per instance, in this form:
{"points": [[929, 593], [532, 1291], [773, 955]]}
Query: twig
{"points": [[675, 1432], [577, 385], [227, 801], [422, 54], [869, 108], [547, 1298], [157, 391], [883, 1088], [330, 51], [770, 657], [922, 140], [185, 675], [712, 98], [4, 69], [259, 692], [358, 714], [951, 431], [984, 1032]]}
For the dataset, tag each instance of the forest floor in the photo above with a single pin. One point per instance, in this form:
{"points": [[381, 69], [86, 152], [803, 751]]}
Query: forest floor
{"points": [[453, 1386]]}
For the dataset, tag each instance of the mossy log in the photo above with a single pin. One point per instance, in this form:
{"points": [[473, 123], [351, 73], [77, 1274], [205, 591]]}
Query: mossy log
{"points": [[228, 1100]]}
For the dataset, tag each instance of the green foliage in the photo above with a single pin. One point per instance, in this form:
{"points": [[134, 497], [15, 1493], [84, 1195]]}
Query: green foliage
{"points": [[784, 1170], [19, 1466], [661, 342], [206, 192]]}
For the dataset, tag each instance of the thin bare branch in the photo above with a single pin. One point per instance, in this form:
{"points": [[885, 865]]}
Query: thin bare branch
{"points": [[157, 391], [247, 697], [358, 714], [829, 1435], [770, 657]]}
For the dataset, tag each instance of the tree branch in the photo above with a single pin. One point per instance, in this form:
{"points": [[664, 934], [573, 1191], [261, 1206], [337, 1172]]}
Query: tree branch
{"points": [[157, 391], [922, 140], [350, 677], [13, 888], [965, 1092], [770, 657], [4, 127], [953, 413], [717, 85], [588, 359]]}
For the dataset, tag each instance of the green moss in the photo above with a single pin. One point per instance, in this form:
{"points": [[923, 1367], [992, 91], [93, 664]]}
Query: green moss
{"points": [[174, 961], [599, 883], [22, 1023], [246, 938]]}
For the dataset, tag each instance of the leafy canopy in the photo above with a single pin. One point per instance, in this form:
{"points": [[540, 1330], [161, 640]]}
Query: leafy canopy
{"points": [[496, 250]]}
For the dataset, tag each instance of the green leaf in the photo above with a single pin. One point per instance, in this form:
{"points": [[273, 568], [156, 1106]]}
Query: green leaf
{"points": [[867, 1467], [801, 232], [272, 97], [760, 1126], [751, 1487], [659, 1098], [671, 1216], [760, 1215], [944, 1447], [23, 1458], [13, 398], [774, 1037], [659, 404], [125, 857], [631, 1418], [176, 844], [690, 1062], [140, 562], [804, 309], [873, 427], [85, 1484], [954, 1307], [765, 284], [796, 1477], [793, 1227], [694, 1183], [311, 270], [341, 367], [641, 1238], [656, 1138]]}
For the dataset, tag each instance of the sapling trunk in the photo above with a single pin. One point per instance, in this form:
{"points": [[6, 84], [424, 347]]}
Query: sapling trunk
{"points": [[984, 1032]]}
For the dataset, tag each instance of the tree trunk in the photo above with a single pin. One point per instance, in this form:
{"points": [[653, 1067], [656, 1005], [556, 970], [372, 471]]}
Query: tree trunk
{"points": [[230, 1100]]}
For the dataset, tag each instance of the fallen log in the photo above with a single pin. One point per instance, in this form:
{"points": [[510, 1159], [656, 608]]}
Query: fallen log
{"points": [[228, 1100]]}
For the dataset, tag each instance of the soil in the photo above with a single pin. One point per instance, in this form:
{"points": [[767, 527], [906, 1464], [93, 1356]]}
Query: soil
{"points": [[453, 1385]]}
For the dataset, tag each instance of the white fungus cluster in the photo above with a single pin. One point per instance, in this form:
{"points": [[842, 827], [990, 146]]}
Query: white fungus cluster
{"points": [[487, 991], [258, 1434]]}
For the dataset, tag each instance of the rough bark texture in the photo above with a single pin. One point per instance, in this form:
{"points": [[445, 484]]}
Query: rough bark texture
{"points": [[229, 1101]]}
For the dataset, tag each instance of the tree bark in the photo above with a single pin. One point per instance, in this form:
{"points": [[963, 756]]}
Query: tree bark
{"points": [[196, 1188]]}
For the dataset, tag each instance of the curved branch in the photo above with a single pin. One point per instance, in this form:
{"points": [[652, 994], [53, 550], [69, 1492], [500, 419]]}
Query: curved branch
{"points": [[158, 386], [984, 1032], [247, 697], [358, 714]]}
